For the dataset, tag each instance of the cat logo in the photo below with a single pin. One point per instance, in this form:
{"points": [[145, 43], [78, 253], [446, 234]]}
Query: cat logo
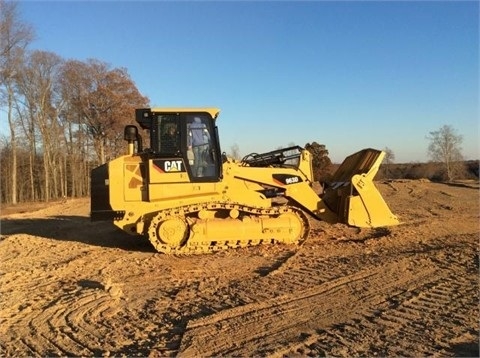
{"points": [[173, 166]]}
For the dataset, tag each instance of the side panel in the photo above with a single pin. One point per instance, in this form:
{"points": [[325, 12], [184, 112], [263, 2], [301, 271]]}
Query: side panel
{"points": [[178, 194], [134, 184]]}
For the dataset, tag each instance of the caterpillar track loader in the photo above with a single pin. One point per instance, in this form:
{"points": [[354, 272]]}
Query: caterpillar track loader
{"points": [[188, 198]]}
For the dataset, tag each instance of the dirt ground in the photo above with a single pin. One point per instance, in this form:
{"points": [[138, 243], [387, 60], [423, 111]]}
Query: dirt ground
{"points": [[71, 287]]}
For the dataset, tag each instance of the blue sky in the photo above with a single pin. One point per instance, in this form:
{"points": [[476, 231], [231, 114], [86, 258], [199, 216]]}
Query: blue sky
{"points": [[349, 75]]}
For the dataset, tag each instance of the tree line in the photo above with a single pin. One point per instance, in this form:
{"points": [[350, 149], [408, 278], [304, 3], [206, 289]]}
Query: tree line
{"points": [[64, 116]]}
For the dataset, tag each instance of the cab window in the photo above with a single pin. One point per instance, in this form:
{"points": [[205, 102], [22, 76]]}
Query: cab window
{"points": [[168, 134]]}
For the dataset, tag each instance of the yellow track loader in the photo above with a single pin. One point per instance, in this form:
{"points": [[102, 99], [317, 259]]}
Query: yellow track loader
{"points": [[188, 198]]}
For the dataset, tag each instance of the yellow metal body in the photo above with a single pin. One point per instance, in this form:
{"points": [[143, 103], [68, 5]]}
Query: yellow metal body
{"points": [[353, 196], [239, 185], [184, 215]]}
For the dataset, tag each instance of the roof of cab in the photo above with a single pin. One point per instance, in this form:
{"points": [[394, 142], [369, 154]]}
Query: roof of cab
{"points": [[210, 110]]}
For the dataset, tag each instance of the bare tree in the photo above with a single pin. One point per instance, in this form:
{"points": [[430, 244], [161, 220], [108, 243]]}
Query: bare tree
{"points": [[388, 160], [74, 134], [235, 151], [445, 147], [38, 83], [15, 36], [5, 154]]}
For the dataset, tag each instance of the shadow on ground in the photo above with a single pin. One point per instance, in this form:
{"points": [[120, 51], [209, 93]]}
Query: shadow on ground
{"points": [[466, 349], [79, 229]]}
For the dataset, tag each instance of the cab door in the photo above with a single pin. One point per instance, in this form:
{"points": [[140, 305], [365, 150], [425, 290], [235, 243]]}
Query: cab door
{"points": [[203, 152]]}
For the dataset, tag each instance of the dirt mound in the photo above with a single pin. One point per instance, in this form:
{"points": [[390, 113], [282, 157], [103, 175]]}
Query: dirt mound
{"points": [[71, 287]]}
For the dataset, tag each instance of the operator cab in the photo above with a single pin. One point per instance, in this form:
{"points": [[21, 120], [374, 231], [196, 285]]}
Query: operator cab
{"points": [[183, 140]]}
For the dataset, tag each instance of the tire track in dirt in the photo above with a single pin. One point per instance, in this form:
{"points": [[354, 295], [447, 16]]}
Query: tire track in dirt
{"points": [[428, 319], [73, 322], [430, 267], [298, 272], [278, 320]]}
